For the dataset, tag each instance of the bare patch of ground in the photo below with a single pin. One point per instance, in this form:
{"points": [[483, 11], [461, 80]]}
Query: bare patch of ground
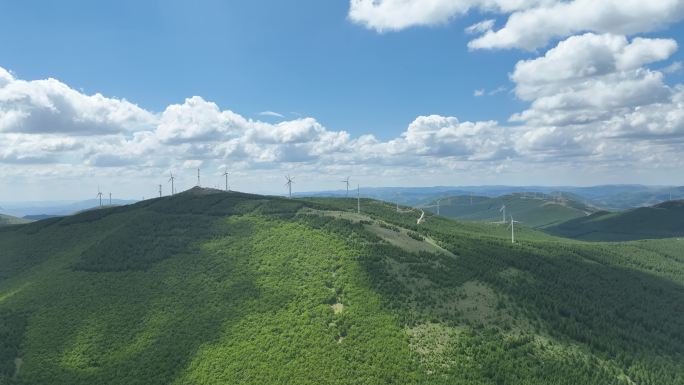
{"points": [[337, 308]]}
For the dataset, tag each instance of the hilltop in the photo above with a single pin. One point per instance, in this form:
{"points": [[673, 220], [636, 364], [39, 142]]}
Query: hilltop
{"points": [[664, 220], [208, 287], [533, 209]]}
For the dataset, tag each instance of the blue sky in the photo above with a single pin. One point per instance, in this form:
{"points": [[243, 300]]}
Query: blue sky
{"points": [[355, 69], [252, 56]]}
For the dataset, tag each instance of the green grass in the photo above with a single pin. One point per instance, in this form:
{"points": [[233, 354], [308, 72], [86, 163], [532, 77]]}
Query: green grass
{"points": [[535, 210], [228, 288], [665, 220]]}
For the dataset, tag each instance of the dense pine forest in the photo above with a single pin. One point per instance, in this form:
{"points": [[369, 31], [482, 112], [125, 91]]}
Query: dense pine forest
{"points": [[208, 287]]}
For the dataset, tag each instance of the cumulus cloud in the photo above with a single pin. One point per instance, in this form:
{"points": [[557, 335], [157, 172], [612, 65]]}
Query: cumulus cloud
{"points": [[530, 24], [534, 27], [50, 106], [198, 120], [392, 15], [594, 97], [586, 96], [592, 78], [198, 130], [583, 57]]}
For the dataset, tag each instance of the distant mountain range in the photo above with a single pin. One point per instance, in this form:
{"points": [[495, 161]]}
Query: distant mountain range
{"points": [[10, 220], [664, 220], [532, 209], [41, 210], [608, 197]]}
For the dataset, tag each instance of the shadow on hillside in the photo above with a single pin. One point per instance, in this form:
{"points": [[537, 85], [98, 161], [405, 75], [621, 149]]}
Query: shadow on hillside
{"points": [[128, 313], [619, 313]]}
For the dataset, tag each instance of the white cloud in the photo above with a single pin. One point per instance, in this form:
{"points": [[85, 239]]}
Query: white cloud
{"points": [[480, 27], [271, 114], [534, 27], [49, 106], [197, 120], [673, 68], [591, 78], [394, 15], [5, 77], [479, 93], [603, 108], [531, 24]]}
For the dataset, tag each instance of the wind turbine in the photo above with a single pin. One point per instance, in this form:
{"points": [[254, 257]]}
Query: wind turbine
{"points": [[226, 175], [503, 210], [289, 182], [438, 200], [171, 180], [346, 181], [198, 177], [110, 199], [99, 195], [160, 191], [512, 227], [358, 199]]}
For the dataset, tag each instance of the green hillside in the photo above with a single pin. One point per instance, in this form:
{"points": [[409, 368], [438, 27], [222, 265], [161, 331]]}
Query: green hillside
{"points": [[665, 220], [209, 287], [10, 220], [534, 210]]}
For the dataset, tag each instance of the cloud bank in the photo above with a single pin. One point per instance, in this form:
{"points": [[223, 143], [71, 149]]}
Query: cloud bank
{"points": [[530, 24]]}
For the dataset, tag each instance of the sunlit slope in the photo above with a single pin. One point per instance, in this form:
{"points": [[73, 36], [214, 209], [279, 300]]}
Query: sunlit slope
{"points": [[535, 210], [665, 220], [227, 288], [10, 220]]}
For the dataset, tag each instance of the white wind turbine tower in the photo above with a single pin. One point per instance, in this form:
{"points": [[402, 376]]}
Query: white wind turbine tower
{"points": [[171, 180], [438, 200], [346, 182], [358, 199], [512, 227], [289, 182], [503, 210], [160, 191], [198, 177], [99, 195], [226, 175]]}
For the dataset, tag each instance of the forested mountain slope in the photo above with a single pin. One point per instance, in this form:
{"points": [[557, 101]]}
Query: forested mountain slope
{"points": [[209, 287], [533, 209], [665, 220], [10, 220]]}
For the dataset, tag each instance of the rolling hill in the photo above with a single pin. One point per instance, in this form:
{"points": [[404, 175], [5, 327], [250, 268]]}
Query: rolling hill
{"points": [[609, 197], [664, 220], [10, 220], [208, 287], [533, 209]]}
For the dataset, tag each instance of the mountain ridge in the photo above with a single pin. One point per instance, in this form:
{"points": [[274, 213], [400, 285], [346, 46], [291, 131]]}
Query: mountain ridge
{"points": [[211, 287]]}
